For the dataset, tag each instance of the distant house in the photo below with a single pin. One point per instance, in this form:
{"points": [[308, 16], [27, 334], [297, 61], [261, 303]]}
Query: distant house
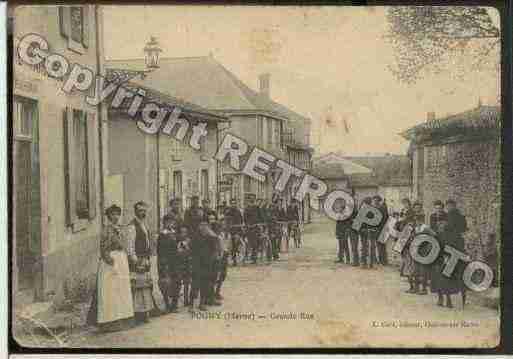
{"points": [[458, 157], [253, 115], [390, 178], [365, 176]]}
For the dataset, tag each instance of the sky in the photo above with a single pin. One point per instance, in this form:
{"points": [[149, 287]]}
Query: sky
{"points": [[317, 56]]}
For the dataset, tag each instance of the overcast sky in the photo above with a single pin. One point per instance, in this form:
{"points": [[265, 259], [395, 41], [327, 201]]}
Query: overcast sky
{"points": [[317, 57]]}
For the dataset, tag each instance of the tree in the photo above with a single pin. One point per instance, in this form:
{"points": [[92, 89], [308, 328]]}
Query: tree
{"points": [[428, 39]]}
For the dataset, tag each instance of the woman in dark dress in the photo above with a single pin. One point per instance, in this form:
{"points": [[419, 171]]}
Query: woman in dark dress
{"points": [[451, 229]]}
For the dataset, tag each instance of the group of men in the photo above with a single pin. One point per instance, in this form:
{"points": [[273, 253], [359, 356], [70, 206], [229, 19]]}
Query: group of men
{"points": [[447, 224], [348, 238], [193, 248]]}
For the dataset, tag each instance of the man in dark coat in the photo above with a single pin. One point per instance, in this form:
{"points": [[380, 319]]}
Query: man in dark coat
{"points": [[166, 257], [437, 216], [345, 232], [381, 247], [251, 218], [234, 221], [193, 215], [207, 210]]}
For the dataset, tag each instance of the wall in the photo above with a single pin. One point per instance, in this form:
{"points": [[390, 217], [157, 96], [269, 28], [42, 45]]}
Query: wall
{"points": [[190, 162], [469, 174], [132, 154], [63, 253]]}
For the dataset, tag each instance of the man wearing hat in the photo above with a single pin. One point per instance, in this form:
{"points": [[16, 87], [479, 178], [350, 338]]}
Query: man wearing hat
{"points": [[251, 218], [167, 264], [207, 211], [438, 215], [234, 221], [193, 215], [139, 248], [175, 210]]}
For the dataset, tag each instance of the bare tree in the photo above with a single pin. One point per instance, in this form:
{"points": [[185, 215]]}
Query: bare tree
{"points": [[427, 39]]}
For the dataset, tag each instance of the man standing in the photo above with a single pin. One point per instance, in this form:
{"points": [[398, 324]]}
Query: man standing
{"points": [[438, 215], [275, 229], [193, 215], [343, 231], [293, 218], [234, 221], [207, 211], [251, 218], [381, 247], [139, 248], [175, 211]]}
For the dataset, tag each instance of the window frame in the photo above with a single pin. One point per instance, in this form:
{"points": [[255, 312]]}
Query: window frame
{"points": [[65, 25], [70, 170]]}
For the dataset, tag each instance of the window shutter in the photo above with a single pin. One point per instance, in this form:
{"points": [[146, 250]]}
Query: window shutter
{"points": [[91, 159], [85, 26], [69, 170], [64, 21]]}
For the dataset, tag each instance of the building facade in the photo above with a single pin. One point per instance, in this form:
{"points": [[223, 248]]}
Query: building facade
{"points": [[252, 115], [57, 171], [458, 157]]}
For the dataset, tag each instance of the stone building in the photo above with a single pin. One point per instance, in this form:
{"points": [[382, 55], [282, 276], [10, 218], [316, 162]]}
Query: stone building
{"points": [[252, 115], [57, 172], [458, 157]]}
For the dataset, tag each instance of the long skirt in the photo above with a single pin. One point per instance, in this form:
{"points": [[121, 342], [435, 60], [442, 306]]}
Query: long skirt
{"points": [[446, 285], [142, 290], [114, 296]]}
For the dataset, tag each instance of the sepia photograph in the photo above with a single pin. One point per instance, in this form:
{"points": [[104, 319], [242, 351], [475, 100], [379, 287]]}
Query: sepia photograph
{"points": [[195, 176]]}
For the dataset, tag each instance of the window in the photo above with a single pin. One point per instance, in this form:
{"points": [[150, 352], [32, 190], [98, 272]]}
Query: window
{"points": [[74, 26], [204, 183], [247, 184], [260, 130], [24, 112], [269, 132], [80, 159], [277, 125], [177, 184], [176, 150], [79, 167]]}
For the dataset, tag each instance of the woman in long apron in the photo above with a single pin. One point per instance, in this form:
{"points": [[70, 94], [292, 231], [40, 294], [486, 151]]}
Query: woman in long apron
{"points": [[112, 305]]}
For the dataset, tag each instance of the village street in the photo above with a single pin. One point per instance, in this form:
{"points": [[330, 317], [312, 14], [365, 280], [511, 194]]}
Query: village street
{"points": [[341, 301]]}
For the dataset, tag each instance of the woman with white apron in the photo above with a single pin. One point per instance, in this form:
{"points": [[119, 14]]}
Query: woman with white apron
{"points": [[112, 305]]}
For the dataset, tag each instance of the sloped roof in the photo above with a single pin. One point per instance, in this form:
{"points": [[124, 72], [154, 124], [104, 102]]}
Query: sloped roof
{"points": [[204, 81], [170, 101], [471, 122], [325, 170], [349, 166], [390, 170]]}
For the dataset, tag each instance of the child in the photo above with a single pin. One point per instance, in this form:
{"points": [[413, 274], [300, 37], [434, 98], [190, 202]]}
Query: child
{"points": [[166, 257], [226, 249], [184, 264]]}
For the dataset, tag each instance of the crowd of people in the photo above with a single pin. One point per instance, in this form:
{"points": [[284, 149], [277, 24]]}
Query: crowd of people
{"points": [[192, 251], [447, 224]]}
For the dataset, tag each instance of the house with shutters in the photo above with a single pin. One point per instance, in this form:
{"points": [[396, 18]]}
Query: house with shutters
{"points": [[56, 149], [252, 115]]}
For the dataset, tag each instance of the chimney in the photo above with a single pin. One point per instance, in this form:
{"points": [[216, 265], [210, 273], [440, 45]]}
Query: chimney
{"points": [[430, 116], [264, 84]]}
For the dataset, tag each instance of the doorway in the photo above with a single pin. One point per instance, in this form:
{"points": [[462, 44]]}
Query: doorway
{"points": [[26, 201]]}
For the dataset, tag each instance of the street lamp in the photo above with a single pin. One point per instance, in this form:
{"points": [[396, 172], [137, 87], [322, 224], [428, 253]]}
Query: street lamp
{"points": [[151, 52]]}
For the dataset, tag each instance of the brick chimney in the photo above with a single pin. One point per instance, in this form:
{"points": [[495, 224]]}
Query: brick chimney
{"points": [[264, 84], [431, 116]]}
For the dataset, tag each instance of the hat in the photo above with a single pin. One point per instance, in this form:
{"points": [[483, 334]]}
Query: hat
{"points": [[377, 197], [438, 203], [417, 203], [113, 209]]}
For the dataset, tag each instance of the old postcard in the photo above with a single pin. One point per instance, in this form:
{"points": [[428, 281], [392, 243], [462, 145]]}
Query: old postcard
{"points": [[255, 176]]}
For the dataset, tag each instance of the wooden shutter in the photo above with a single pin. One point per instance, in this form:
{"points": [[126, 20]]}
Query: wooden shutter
{"points": [[85, 26], [91, 160], [64, 21], [69, 167]]}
